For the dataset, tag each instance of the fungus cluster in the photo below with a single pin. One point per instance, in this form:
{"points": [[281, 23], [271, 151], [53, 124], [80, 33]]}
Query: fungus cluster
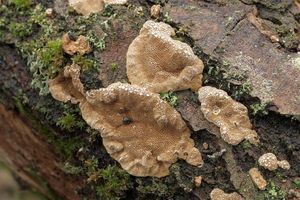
{"points": [[231, 116], [159, 63], [139, 130], [218, 194], [269, 161]]}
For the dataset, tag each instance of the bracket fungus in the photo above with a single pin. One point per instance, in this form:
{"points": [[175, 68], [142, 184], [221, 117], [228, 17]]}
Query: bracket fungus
{"points": [[67, 86], [269, 161], [231, 116], [139, 130], [87, 7], [81, 45], [257, 178], [159, 63], [218, 194]]}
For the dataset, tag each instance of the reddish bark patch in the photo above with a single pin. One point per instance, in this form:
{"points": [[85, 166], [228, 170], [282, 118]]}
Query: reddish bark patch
{"points": [[23, 148]]}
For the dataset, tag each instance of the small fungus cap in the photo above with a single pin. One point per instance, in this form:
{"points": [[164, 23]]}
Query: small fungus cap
{"points": [[269, 161], [139, 130], [81, 45], [218, 194], [257, 178], [231, 116], [67, 86], [159, 63]]}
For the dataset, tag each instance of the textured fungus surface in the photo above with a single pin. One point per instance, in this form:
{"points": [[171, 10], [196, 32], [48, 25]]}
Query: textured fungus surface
{"points": [[159, 63], [71, 47], [269, 161], [87, 7], [257, 178], [231, 116], [218, 194], [143, 133], [67, 86], [139, 130]]}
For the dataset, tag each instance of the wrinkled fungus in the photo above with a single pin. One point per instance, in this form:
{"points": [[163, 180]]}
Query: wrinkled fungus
{"points": [[269, 161], [81, 45], [143, 133], [87, 7], [257, 178], [218, 194], [231, 116], [67, 86], [139, 130], [159, 63]]}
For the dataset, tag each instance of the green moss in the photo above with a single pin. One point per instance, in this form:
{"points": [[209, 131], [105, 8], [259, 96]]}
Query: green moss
{"points": [[85, 63], [246, 144], [44, 62], [65, 147], [296, 184], [68, 121], [241, 90], [170, 97], [274, 192], [21, 4], [155, 186], [114, 66], [71, 169], [3, 23], [108, 11], [20, 30], [20, 106], [52, 53], [112, 183], [259, 109], [48, 27], [97, 43]]}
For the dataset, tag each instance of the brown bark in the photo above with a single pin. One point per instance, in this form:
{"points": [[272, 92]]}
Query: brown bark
{"points": [[21, 148]]}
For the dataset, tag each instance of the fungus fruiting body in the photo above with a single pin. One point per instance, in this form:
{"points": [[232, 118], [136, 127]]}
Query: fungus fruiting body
{"points": [[269, 161], [159, 63], [143, 133], [218, 194], [139, 130], [198, 181], [81, 45], [87, 7], [231, 116], [67, 86], [257, 178], [155, 11]]}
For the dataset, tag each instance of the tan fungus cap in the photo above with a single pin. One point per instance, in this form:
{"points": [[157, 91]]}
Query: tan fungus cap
{"points": [[231, 116], [159, 63]]}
